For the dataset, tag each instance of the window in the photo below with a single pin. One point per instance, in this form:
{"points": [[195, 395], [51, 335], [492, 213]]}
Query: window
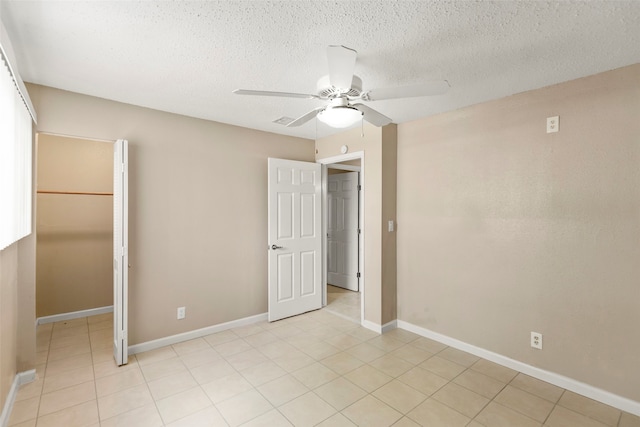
{"points": [[15, 158]]}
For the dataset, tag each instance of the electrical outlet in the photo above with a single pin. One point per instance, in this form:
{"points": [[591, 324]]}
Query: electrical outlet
{"points": [[536, 340], [553, 124], [182, 313]]}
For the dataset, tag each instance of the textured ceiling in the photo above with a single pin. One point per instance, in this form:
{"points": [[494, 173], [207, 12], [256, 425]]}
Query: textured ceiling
{"points": [[187, 57]]}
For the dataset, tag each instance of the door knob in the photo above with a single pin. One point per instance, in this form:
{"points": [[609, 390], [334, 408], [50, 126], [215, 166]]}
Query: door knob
{"points": [[274, 247]]}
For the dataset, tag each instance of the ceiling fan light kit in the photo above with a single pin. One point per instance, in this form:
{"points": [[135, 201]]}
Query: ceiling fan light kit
{"points": [[340, 116], [341, 87]]}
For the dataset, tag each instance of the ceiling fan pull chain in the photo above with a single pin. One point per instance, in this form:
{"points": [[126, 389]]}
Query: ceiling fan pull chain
{"points": [[362, 127]]}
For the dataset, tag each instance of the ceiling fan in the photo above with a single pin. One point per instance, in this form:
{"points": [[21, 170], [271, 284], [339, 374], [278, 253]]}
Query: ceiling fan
{"points": [[343, 89]]}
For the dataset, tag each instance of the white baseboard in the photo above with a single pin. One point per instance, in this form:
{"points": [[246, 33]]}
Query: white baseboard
{"points": [[26, 376], [380, 329], [186, 336], [19, 379], [372, 326], [389, 326], [73, 315], [587, 390]]}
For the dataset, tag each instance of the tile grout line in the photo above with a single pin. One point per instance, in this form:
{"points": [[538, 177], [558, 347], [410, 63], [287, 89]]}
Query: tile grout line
{"points": [[555, 405], [43, 375], [95, 381]]}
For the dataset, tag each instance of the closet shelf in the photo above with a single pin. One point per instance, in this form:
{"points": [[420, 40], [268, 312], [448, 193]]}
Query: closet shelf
{"points": [[83, 193]]}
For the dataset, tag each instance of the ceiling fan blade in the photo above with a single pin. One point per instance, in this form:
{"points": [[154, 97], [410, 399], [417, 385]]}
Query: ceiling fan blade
{"points": [[342, 62], [425, 89], [305, 118], [372, 116], [270, 93]]}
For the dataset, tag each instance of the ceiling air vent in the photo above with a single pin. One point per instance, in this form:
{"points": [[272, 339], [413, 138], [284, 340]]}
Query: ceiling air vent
{"points": [[283, 120]]}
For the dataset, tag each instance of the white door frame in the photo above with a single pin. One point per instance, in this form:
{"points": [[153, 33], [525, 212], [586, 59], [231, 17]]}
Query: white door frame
{"points": [[325, 162], [342, 170]]}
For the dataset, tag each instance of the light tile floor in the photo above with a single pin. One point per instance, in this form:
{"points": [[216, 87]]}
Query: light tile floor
{"points": [[313, 369], [343, 302]]}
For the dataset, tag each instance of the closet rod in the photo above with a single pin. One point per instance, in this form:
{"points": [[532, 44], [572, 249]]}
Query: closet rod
{"points": [[85, 193]]}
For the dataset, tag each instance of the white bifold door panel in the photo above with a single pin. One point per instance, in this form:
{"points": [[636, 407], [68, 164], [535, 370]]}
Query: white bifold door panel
{"points": [[120, 250], [295, 237], [342, 230]]}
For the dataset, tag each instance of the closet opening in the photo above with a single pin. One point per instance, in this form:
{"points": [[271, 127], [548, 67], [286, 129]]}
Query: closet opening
{"points": [[74, 227]]}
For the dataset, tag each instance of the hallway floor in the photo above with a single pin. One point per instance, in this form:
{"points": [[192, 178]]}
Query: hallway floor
{"points": [[343, 302], [313, 369]]}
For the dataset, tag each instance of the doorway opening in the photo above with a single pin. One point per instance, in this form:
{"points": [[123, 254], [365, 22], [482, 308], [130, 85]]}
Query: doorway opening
{"points": [[343, 225], [81, 234], [74, 226]]}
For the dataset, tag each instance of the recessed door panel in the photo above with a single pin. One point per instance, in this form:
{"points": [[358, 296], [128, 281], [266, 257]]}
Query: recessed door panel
{"points": [[349, 212], [307, 215], [285, 175], [332, 264], [285, 277], [307, 273], [332, 214], [285, 216], [307, 177], [339, 214], [340, 258]]}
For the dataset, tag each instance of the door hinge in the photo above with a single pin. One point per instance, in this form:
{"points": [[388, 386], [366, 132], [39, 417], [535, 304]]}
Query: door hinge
{"points": [[359, 231], [359, 187], [358, 275]]}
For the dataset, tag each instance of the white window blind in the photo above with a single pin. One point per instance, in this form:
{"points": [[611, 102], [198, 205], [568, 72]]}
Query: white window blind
{"points": [[15, 159]]}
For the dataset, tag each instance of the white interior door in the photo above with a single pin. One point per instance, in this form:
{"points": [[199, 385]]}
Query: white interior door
{"points": [[342, 230], [295, 237], [120, 250]]}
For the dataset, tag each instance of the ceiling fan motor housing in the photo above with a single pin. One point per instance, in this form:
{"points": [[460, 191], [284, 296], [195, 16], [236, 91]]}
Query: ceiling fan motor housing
{"points": [[326, 90]]}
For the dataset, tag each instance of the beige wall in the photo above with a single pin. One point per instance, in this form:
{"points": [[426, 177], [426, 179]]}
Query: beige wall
{"points": [[389, 239], [17, 312], [504, 229], [74, 266], [379, 245], [8, 318], [197, 208], [26, 304]]}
